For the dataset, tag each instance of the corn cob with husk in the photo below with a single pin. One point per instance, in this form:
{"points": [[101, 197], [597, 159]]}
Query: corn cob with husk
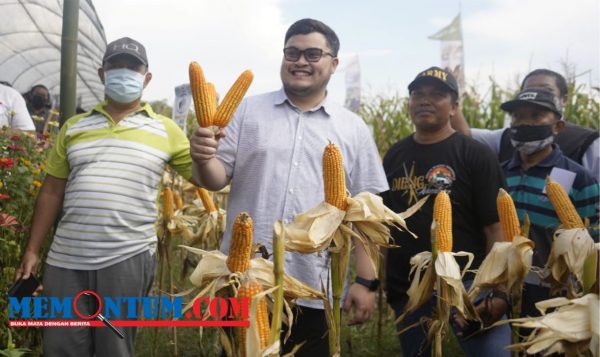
{"points": [[438, 270], [571, 328], [573, 247], [335, 222], [217, 272], [256, 338], [232, 99], [508, 263], [334, 182]]}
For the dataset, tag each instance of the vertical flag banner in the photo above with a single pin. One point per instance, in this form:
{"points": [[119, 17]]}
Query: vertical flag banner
{"points": [[181, 106], [352, 101], [452, 50]]}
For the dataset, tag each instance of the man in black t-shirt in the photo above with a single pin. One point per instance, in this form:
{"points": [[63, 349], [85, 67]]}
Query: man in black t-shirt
{"points": [[432, 159]]}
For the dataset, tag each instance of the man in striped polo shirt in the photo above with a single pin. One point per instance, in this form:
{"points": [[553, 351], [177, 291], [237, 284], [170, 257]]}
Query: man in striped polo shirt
{"points": [[102, 180], [536, 120]]}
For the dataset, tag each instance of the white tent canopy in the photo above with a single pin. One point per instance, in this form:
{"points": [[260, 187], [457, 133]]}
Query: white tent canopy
{"points": [[30, 41]]}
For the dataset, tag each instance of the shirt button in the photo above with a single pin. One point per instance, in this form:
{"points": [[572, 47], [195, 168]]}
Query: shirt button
{"points": [[300, 138], [295, 163], [291, 190]]}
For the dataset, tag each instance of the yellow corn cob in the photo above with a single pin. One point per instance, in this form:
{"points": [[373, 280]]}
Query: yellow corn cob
{"points": [[207, 201], [240, 248], [200, 94], [567, 214], [168, 210], [442, 214], [334, 178], [212, 91], [249, 290], [232, 99], [508, 215], [178, 200]]}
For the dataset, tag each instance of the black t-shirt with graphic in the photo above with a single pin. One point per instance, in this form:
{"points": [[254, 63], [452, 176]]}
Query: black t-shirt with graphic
{"points": [[470, 173]]}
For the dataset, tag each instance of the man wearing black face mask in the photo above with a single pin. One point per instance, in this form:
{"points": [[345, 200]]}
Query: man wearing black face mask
{"points": [[536, 120], [38, 104]]}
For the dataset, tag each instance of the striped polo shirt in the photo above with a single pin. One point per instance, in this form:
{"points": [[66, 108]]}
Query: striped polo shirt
{"points": [[113, 172], [526, 188]]}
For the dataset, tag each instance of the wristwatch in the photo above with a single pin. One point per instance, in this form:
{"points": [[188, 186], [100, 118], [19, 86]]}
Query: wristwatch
{"points": [[372, 285]]}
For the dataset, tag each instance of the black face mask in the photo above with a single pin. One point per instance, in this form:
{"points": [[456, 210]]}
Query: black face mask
{"points": [[38, 102], [530, 139]]}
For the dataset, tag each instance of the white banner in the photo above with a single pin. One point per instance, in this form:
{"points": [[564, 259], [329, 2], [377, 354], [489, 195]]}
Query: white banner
{"points": [[452, 50], [181, 105]]}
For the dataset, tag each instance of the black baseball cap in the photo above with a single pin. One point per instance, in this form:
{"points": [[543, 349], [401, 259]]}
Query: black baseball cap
{"points": [[435, 74], [126, 46], [537, 96]]}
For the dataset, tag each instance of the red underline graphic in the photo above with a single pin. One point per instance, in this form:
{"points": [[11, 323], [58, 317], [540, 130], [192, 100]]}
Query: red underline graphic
{"points": [[128, 323]]}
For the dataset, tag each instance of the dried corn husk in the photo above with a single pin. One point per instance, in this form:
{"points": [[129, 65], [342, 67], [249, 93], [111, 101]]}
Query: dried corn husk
{"points": [[314, 230], [445, 276], [212, 275], [505, 265], [571, 329], [570, 249]]}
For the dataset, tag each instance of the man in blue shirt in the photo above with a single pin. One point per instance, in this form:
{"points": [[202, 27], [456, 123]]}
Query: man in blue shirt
{"points": [[536, 121]]}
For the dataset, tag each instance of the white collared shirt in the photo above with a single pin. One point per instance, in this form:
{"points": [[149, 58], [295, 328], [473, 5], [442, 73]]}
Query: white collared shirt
{"points": [[273, 153]]}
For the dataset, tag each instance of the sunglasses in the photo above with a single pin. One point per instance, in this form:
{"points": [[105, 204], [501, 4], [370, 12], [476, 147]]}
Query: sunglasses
{"points": [[293, 54]]}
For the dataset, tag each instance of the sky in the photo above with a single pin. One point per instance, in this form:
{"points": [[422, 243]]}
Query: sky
{"points": [[503, 39]]}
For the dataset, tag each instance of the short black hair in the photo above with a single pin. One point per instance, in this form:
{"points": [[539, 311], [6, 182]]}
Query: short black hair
{"points": [[39, 86], [306, 26], [561, 82]]}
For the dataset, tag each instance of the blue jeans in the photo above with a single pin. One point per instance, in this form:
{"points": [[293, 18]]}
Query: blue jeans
{"points": [[413, 342]]}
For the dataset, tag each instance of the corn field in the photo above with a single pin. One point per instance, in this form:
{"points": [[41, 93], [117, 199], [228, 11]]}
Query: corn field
{"points": [[388, 117]]}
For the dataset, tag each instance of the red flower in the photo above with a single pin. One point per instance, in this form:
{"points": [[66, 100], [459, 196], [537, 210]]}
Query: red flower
{"points": [[15, 137], [6, 162], [16, 147], [4, 196]]}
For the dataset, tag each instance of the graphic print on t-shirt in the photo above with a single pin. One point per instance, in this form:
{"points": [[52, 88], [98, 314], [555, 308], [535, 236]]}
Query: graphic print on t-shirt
{"points": [[439, 177]]}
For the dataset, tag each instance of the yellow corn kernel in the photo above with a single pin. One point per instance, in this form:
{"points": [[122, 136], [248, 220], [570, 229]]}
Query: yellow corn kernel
{"points": [[567, 214], [207, 201], [232, 99], [442, 214], [508, 215], [212, 91], [177, 199], [249, 290], [168, 210], [334, 178], [200, 95], [240, 248]]}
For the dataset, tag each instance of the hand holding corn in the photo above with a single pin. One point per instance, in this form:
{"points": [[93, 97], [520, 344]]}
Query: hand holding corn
{"points": [[203, 145]]}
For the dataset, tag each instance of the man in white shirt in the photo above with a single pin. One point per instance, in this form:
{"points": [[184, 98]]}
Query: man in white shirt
{"points": [[272, 155], [13, 110]]}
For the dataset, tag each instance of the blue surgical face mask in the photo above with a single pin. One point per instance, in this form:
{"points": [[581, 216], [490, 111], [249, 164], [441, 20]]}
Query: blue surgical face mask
{"points": [[123, 85]]}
